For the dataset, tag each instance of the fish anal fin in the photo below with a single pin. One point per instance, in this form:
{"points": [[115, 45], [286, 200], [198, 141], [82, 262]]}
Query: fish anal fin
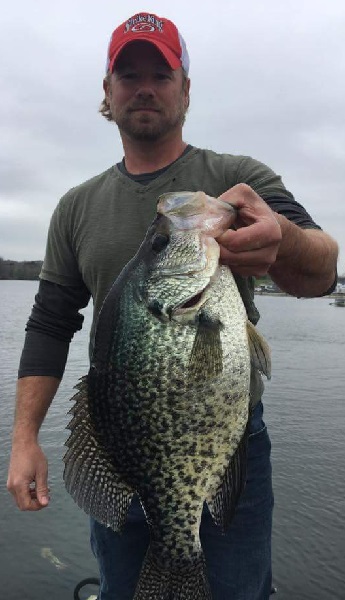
{"points": [[260, 355], [89, 474], [223, 503]]}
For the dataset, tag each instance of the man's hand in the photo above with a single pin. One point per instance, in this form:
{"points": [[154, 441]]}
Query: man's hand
{"points": [[252, 248], [28, 470], [27, 477]]}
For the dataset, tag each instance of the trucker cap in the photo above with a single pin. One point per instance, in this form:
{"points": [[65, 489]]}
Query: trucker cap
{"points": [[160, 32]]}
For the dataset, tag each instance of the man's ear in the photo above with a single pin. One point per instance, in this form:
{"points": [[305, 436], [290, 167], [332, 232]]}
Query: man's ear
{"points": [[187, 90], [106, 88]]}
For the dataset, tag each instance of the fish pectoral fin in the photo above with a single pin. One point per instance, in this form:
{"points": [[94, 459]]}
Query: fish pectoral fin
{"points": [[206, 359], [260, 355], [223, 503], [89, 475]]}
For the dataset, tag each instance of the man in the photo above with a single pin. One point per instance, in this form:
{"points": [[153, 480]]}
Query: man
{"points": [[98, 226]]}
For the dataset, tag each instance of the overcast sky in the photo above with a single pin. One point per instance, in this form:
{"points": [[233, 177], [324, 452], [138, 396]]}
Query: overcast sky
{"points": [[268, 80]]}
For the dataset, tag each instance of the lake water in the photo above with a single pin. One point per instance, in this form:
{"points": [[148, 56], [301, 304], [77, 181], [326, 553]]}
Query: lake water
{"points": [[44, 555]]}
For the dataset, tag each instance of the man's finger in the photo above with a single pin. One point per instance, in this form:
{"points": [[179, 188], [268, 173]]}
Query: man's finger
{"points": [[41, 488], [24, 498]]}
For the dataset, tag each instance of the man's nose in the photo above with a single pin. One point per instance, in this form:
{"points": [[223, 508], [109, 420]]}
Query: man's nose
{"points": [[145, 88], [145, 92]]}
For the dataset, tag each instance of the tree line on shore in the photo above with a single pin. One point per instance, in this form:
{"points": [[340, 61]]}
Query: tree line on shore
{"points": [[30, 269], [23, 269]]}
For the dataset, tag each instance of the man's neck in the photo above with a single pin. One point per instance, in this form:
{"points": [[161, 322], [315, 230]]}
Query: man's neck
{"points": [[147, 157]]}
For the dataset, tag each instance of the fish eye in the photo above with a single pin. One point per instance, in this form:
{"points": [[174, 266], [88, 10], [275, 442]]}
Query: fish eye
{"points": [[159, 242]]}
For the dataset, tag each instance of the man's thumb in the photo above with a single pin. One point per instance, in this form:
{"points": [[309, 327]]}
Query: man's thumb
{"points": [[42, 490]]}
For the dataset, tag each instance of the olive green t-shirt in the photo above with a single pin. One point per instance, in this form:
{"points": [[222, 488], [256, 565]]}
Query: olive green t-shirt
{"points": [[98, 226]]}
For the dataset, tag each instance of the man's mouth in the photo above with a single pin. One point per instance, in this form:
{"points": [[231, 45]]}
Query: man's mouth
{"points": [[144, 109]]}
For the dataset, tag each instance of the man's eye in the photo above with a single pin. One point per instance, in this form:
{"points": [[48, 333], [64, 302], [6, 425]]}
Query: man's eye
{"points": [[128, 76], [162, 76]]}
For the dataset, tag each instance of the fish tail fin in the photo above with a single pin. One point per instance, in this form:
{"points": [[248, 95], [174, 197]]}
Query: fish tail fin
{"points": [[182, 583]]}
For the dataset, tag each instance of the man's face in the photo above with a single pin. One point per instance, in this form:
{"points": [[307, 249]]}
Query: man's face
{"points": [[148, 100]]}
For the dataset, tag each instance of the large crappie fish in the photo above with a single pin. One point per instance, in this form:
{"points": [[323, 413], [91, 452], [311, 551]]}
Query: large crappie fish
{"points": [[164, 408]]}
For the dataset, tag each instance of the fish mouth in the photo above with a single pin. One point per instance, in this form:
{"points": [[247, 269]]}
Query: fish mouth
{"points": [[193, 301], [192, 304], [185, 308], [188, 308], [184, 312]]}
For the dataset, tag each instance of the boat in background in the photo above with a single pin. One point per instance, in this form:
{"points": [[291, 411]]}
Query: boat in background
{"points": [[338, 296]]}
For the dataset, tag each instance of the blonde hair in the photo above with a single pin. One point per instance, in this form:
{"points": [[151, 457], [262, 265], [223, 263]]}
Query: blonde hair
{"points": [[104, 108]]}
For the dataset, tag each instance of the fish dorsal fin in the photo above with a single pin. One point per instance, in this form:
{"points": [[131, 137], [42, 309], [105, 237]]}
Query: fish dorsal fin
{"points": [[89, 475], [260, 355], [223, 503]]}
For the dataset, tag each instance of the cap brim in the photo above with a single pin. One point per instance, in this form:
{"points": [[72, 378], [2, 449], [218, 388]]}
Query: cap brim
{"points": [[168, 55]]}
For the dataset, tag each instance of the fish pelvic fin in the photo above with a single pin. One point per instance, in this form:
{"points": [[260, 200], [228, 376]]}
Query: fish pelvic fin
{"points": [[182, 583], [222, 504], [89, 475], [260, 355], [206, 359]]}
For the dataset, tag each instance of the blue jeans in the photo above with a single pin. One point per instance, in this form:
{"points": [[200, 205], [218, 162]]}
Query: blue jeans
{"points": [[238, 563]]}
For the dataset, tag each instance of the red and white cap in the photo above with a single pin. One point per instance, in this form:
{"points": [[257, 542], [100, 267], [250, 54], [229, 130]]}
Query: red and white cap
{"points": [[160, 32]]}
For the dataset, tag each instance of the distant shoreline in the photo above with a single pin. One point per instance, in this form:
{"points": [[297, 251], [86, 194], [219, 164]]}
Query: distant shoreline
{"points": [[280, 294], [283, 294], [27, 270], [256, 293]]}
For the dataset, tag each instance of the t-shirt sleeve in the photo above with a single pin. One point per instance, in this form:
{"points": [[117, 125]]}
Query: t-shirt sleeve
{"points": [[60, 262], [261, 178], [293, 211], [270, 187]]}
